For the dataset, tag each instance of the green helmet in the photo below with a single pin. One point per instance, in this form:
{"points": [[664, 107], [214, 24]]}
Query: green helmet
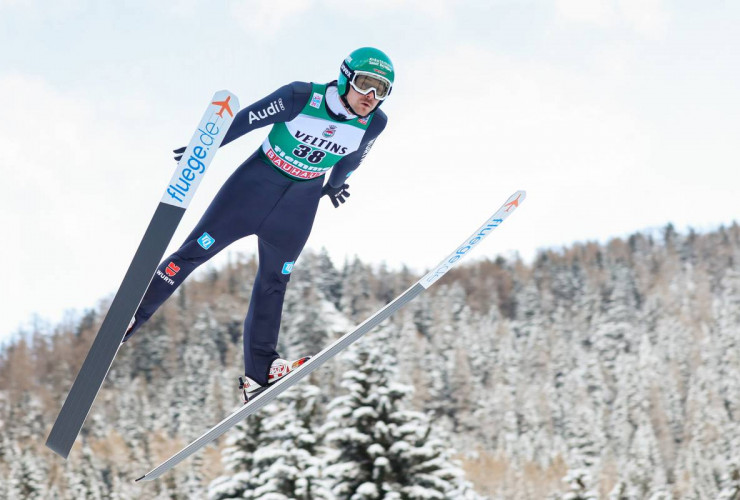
{"points": [[366, 69]]}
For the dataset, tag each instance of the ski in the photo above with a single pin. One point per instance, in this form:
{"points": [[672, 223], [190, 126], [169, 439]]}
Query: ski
{"points": [[178, 194], [261, 399]]}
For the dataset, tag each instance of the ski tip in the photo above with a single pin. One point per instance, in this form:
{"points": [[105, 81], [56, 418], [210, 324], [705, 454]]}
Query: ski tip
{"points": [[142, 477], [514, 201], [62, 451]]}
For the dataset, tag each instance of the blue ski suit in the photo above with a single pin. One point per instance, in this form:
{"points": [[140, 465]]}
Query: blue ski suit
{"points": [[266, 198]]}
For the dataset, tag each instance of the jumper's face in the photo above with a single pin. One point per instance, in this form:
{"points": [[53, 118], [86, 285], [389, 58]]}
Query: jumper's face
{"points": [[362, 104]]}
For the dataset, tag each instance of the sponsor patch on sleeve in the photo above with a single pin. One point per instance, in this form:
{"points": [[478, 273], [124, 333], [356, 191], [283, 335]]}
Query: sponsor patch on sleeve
{"points": [[206, 241], [316, 100]]}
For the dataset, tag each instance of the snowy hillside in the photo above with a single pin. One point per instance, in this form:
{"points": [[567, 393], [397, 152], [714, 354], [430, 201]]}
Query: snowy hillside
{"points": [[598, 371]]}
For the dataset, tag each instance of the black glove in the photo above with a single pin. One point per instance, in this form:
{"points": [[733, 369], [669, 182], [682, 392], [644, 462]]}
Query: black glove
{"points": [[336, 195], [178, 152]]}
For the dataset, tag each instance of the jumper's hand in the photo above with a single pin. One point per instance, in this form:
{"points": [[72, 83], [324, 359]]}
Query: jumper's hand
{"points": [[336, 195], [178, 152]]}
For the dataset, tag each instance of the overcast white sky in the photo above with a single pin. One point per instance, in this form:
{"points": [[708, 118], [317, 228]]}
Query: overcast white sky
{"points": [[614, 115]]}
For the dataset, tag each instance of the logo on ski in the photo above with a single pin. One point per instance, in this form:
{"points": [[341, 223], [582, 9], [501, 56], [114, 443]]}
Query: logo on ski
{"points": [[491, 224], [460, 252], [225, 106], [189, 175], [513, 204], [206, 241], [199, 152], [172, 269]]}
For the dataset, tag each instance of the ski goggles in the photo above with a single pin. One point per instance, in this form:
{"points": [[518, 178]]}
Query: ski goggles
{"points": [[364, 82]]}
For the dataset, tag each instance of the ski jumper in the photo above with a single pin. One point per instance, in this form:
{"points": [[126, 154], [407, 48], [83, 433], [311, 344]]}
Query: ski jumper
{"points": [[273, 194]]}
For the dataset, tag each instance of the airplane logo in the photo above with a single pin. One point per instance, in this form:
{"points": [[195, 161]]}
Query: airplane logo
{"points": [[224, 106], [513, 204]]}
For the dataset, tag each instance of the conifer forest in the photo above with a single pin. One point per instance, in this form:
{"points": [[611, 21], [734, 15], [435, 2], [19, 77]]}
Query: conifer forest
{"points": [[600, 370]]}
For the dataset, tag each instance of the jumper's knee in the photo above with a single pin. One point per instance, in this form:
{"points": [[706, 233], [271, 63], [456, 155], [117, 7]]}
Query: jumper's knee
{"points": [[276, 283]]}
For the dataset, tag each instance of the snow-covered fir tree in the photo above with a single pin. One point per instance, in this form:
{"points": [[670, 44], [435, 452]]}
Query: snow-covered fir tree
{"points": [[84, 478], [291, 463], [731, 483], [26, 475], [243, 441], [579, 486], [383, 450]]}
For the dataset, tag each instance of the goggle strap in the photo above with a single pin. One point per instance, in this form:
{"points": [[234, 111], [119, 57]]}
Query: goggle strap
{"points": [[347, 71]]}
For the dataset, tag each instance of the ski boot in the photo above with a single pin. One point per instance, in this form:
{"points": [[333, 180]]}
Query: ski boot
{"points": [[278, 370]]}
